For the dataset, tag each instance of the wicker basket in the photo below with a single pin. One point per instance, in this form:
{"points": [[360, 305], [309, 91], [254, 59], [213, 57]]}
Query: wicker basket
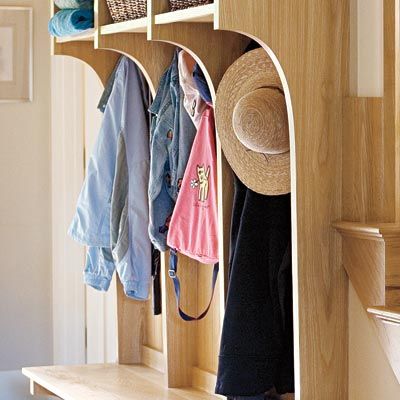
{"points": [[126, 10], [182, 4]]}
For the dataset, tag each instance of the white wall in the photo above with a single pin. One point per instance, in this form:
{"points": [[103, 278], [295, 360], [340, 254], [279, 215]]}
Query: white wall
{"points": [[371, 376], [101, 308], [84, 320], [25, 233], [67, 176], [366, 57]]}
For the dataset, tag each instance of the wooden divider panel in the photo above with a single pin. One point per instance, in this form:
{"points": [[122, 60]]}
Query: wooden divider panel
{"points": [[308, 41], [102, 62], [365, 178], [199, 341]]}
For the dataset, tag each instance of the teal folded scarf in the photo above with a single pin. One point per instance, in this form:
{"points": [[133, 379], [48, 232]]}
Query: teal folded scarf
{"points": [[62, 4], [71, 22]]}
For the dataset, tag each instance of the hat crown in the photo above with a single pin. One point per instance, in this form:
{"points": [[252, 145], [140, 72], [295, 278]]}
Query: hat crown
{"points": [[260, 121]]}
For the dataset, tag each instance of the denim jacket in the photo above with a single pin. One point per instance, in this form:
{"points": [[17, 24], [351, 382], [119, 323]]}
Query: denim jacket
{"points": [[112, 211], [172, 135]]}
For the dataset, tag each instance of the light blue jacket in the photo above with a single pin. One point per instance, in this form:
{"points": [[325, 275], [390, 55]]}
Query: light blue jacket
{"points": [[112, 212]]}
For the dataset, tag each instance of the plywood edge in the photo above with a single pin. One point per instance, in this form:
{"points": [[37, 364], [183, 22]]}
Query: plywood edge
{"points": [[198, 14], [153, 358], [131, 316], [85, 36], [378, 231], [204, 380], [37, 384], [38, 390], [134, 26], [390, 315]]}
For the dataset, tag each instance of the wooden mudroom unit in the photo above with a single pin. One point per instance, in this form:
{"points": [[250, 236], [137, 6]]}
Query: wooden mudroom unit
{"points": [[345, 198]]}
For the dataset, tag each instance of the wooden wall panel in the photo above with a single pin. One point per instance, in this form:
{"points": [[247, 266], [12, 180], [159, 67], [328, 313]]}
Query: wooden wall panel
{"points": [[366, 182], [391, 101], [313, 64], [364, 261], [180, 336], [208, 330], [153, 328], [371, 166], [101, 61], [152, 58]]}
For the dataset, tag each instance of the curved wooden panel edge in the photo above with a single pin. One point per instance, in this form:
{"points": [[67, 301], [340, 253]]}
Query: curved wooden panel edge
{"points": [[102, 61], [151, 57], [315, 79]]}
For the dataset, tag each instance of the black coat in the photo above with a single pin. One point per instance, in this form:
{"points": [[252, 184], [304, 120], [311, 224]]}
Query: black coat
{"points": [[257, 340]]}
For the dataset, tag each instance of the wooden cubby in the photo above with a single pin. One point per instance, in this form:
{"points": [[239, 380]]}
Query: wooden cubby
{"points": [[166, 358]]}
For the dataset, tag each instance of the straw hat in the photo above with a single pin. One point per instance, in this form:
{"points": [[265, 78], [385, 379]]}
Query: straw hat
{"points": [[252, 124]]}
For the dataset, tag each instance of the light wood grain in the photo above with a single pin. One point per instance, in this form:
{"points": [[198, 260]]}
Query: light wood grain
{"points": [[102, 62], [108, 382], [153, 328], [153, 358], [364, 145], [315, 79], [151, 58], [180, 336], [371, 257], [208, 330], [102, 14], [391, 104], [371, 231], [392, 272], [215, 52], [392, 262], [131, 315], [364, 262], [204, 381]]}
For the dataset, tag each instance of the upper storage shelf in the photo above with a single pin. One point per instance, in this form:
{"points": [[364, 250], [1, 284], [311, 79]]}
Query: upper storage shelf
{"points": [[134, 26], [200, 14], [87, 35], [195, 14]]}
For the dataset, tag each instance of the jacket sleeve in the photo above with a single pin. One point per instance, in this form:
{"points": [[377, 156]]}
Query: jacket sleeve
{"points": [[132, 252], [91, 222]]}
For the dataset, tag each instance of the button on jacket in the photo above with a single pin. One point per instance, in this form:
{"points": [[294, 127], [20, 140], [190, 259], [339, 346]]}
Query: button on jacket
{"points": [[172, 135], [112, 211]]}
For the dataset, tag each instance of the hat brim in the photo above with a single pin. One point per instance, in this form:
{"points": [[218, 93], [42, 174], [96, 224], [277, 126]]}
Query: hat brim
{"points": [[262, 173]]}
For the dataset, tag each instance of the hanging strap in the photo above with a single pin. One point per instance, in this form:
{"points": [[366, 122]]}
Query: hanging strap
{"points": [[173, 269]]}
